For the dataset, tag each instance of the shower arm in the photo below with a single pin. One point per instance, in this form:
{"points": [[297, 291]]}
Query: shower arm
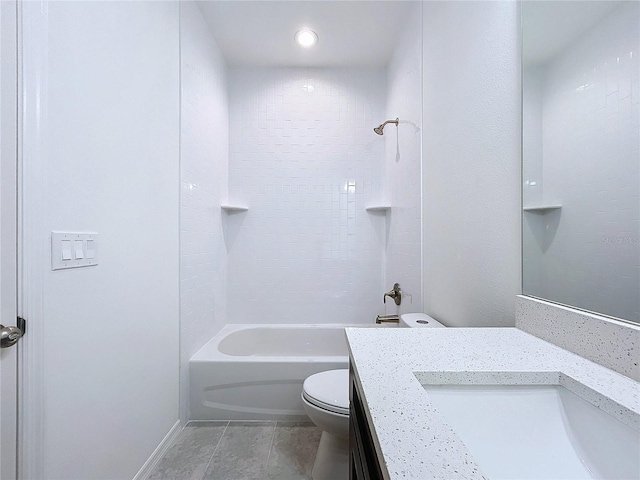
{"points": [[380, 128]]}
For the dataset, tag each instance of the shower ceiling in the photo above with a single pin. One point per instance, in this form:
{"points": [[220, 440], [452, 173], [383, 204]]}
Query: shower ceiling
{"points": [[350, 33], [548, 27]]}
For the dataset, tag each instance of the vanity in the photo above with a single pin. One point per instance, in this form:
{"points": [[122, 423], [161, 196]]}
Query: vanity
{"points": [[558, 396], [400, 430]]}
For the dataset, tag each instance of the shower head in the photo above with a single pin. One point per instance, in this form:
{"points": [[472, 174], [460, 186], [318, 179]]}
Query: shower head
{"points": [[379, 129]]}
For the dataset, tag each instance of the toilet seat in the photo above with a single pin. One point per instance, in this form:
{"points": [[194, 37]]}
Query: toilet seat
{"points": [[328, 390]]}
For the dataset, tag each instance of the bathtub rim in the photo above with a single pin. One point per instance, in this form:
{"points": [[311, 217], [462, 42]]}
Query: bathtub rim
{"points": [[210, 352]]}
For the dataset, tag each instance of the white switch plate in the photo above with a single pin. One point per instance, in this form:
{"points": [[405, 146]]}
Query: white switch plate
{"points": [[78, 245]]}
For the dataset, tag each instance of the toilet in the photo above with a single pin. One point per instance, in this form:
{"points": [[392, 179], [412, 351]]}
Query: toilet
{"points": [[418, 320], [325, 397]]}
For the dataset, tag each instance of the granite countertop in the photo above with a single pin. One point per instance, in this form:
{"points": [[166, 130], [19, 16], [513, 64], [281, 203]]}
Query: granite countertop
{"points": [[413, 441]]}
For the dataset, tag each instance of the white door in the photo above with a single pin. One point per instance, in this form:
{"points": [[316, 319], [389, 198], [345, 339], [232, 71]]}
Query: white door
{"points": [[8, 239]]}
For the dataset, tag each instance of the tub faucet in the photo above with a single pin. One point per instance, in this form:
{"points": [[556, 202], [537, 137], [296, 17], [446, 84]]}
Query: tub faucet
{"points": [[395, 293], [387, 319]]}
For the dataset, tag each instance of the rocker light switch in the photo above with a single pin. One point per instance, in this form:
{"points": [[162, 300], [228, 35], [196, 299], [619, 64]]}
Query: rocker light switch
{"points": [[78, 249], [66, 249], [73, 250], [91, 249]]}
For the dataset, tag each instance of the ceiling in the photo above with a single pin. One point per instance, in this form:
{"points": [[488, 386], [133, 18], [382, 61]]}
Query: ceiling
{"points": [[549, 26], [350, 33]]}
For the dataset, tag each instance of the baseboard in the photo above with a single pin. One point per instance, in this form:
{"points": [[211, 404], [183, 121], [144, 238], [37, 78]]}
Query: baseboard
{"points": [[160, 450]]}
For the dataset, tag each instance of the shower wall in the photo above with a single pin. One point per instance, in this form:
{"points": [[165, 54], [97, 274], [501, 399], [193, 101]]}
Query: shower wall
{"points": [[304, 159], [403, 160], [532, 223], [204, 146], [590, 97]]}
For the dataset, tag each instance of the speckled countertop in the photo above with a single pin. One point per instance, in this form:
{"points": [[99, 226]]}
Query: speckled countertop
{"points": [[413, 441]]}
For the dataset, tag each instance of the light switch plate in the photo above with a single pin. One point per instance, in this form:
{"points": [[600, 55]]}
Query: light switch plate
{"points": [[81, 256]]}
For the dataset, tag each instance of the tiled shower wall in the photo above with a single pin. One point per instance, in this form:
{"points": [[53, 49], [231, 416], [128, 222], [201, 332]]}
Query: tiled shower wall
{"points": [[203, 184], [304, 159], [403, 160], [591, 96], [532, 148]]}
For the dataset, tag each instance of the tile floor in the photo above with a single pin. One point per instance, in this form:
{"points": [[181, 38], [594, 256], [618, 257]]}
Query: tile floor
{"points": [[241, 451]]}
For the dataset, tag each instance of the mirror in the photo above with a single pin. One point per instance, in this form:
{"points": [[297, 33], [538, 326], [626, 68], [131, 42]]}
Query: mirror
{"points": [[581, 155]]}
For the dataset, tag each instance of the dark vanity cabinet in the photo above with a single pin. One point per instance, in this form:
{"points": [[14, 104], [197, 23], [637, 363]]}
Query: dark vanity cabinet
{"points": [[363, 459]]}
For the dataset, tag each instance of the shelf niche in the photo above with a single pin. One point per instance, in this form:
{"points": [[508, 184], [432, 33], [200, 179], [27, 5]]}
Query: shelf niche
{"points": [[540, 209], [232, 208], [378, 208]]}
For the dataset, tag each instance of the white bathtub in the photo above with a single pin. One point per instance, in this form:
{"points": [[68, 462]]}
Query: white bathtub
{"points": [[255, 372]]}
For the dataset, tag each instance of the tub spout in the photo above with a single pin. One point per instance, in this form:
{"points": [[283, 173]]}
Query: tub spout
{"points": [[395, 293], [387, 318]]}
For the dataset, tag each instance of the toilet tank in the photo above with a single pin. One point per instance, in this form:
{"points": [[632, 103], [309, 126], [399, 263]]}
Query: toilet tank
{"points": [[418, 320]]}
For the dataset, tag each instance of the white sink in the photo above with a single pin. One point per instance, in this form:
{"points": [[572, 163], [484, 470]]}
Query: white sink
{"points": [[538, 432]]}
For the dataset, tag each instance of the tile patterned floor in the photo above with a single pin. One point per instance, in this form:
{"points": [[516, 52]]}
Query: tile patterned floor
{"points": [[241, 451]]}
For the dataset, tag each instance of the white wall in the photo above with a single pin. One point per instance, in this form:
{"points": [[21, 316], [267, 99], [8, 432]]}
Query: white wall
{"points": [[110, 333], [471, 162], [204, 154], [533, 223], [306, 251], [532, 136], [403, 160], [591, 95]]}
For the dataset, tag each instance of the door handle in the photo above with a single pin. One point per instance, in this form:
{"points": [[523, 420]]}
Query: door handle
{"points": [[9, 336]]}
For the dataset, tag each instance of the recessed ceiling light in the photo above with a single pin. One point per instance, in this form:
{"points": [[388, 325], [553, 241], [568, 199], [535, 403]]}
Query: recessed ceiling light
{"points": [[306, 38]]}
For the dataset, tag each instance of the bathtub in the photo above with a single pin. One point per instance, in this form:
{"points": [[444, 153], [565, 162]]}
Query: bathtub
{"points": [[255, 372]]}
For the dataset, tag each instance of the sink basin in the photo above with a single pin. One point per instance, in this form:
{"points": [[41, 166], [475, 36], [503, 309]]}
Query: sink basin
{"points": [[538, 432]]}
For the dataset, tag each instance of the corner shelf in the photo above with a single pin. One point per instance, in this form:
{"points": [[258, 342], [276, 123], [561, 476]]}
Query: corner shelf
{"points": [[542, 208], [229, 208], [378, 208]]}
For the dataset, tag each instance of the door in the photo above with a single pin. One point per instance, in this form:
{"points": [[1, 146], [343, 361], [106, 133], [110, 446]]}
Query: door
{"points": [[8, 239]]}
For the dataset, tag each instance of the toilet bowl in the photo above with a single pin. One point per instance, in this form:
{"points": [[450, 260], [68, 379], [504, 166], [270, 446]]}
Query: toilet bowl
{"points": [[325, 397]]}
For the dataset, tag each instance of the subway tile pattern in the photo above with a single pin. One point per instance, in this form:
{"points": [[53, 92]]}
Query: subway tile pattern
{"points": [[403, 172], [305, 160], [588, 253], [203, 183], [241, 451]]}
